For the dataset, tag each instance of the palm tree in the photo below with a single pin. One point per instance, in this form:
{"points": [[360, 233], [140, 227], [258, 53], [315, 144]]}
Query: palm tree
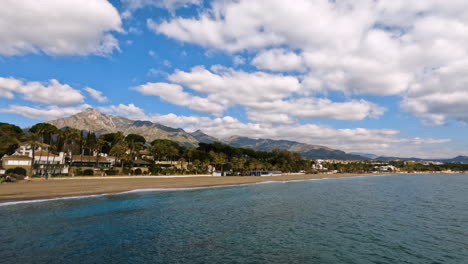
{"points": [[119, 151]]}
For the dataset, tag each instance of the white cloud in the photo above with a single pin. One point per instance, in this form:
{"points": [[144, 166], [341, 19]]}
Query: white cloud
{"points": [[51, 92], [440, 94], [130, 111], [259, 92], [363, 47], [72, 27], [175, 94], [278, 60], [167, 4], [316, 108], [96, 95], [44, 113]]}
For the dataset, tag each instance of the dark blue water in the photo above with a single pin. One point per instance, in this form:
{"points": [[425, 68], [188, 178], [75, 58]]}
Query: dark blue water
{"points": [[388, 219]]}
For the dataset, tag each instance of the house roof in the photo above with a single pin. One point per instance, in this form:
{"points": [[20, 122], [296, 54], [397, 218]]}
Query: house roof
{"points": [[82, 158], [16, 157], [141, 162], [44, 154], [37, 143]]}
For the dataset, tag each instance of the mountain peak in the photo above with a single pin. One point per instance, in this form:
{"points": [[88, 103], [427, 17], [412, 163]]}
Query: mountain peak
{"points": [[202, 137], [91, 113]]}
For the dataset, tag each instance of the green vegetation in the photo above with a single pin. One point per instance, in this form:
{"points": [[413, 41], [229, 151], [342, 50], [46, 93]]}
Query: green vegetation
{"points": [[16, 171], [10, 136]]}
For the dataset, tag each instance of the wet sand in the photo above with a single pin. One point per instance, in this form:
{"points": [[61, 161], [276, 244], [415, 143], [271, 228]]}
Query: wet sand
{"points": [[56, 188]]}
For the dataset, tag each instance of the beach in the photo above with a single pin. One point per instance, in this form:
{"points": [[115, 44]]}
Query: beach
{"points": [[70, 187]]}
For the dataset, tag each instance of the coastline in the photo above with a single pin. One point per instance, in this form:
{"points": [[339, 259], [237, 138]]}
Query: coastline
{"points": [[40, 189]]}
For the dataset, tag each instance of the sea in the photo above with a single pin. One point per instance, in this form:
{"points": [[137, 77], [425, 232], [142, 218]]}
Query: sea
{"points": [[382, 219]]}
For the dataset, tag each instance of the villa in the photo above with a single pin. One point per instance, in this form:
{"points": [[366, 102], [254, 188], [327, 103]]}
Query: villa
{"points": [[15, 161]]}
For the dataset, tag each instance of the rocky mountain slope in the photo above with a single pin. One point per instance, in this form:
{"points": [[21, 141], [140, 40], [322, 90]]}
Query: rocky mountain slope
{"points": [[95, 121]]}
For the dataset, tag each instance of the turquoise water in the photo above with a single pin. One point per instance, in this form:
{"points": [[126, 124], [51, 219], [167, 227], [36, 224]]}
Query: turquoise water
{"points": [[387, 219]]}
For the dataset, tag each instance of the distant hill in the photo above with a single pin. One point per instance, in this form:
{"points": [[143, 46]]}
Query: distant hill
{"points": [[460, 159], [383, 158], [367, 155], [306, 150]]}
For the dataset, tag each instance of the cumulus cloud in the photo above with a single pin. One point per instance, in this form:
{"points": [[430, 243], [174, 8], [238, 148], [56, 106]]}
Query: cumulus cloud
{"points": [[440, 94], [278, 60], [175, 94], [44, 113], [259, 92], [167, 4], [97, 95], [72, 27], [130, 111], [364, 47], [51, 92], [316, 108]]}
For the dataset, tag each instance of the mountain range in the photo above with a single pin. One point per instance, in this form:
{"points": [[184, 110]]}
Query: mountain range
{"points": [[100, 123]]}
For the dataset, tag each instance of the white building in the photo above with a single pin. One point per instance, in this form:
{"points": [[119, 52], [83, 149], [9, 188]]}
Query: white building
{"points": [[45, 161]]}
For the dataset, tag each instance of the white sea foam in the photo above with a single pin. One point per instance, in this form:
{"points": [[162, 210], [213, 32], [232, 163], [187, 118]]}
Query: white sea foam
{"points": [[154, 190]]}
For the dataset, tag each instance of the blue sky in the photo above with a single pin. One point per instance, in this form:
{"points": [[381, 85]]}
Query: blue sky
{"points": [[383, 78]]}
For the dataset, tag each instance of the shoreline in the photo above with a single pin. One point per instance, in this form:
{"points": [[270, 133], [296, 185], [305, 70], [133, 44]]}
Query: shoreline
{"points": [[38, 190]]}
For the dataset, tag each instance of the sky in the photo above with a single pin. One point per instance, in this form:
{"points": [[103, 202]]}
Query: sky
{"points": [[387, 77]]}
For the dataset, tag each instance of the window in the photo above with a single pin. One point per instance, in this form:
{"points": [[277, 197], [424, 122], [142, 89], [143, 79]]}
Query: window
{"points": [[18, 162]]}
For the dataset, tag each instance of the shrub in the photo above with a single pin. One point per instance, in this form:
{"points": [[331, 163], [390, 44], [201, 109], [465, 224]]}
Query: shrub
{"points": [[127, 170], [78, 171], [17, 171], [112, 172], [88, 172], [138, 171]]}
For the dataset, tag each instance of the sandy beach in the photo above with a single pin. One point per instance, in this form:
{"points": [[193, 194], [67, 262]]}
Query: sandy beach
{"points": [[55, 188]]}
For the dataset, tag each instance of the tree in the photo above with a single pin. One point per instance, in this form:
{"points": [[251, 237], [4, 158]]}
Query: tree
{"points": [[110, 140], [218, 159], [46, 131], [135, 143], [91, 142], [238, 164], [164, 149], [134, 138], [119, 151], [10, 136], [70, 138]]}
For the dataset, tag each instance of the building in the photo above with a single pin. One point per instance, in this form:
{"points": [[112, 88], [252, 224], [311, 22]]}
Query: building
{"points": [[387, 168], [113, 160], [26, 149], [17, 161], [44, 162], [2, 170], [49, 163], [142, 165], [264, 173], [90, 161]]}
